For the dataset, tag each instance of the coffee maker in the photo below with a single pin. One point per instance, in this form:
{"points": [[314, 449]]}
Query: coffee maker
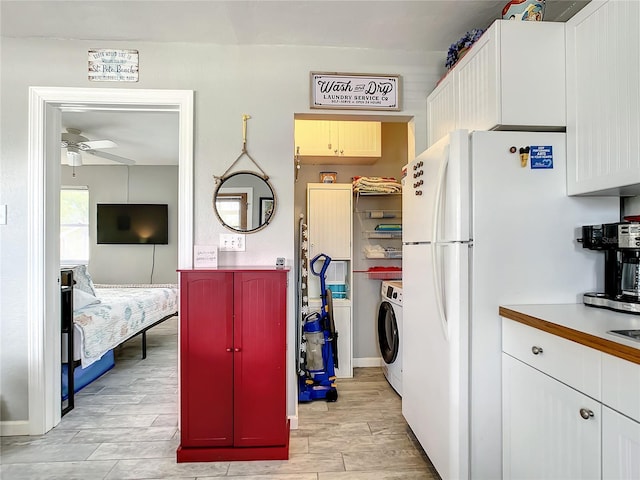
{"points": [[620, 243]]}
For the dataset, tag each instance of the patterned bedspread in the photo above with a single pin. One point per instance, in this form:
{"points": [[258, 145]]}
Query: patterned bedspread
{"points": [[122, 313]]}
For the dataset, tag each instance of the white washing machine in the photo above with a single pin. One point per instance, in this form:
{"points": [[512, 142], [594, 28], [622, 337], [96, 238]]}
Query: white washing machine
{"points": [[389, 326]]}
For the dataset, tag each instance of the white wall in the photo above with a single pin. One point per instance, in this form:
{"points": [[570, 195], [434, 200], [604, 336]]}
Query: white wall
{"points": [[631, 205], [269, 83], [134, 184]]}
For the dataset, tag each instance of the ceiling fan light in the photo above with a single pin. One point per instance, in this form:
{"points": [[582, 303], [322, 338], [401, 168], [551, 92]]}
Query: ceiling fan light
{"points": [[74, 159]]}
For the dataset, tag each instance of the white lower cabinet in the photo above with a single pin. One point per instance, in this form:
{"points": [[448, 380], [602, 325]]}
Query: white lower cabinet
{"points": [[568, 411], [620, 446], [545, 434], [342, 320], [621, 419]]}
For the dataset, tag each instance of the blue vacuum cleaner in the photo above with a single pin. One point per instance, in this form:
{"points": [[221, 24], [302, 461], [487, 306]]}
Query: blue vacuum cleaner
{"points": [[319, 347]]}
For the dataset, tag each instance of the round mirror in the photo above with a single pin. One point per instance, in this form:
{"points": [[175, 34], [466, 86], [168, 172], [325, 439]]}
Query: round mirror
{"points": [[244, 202]]}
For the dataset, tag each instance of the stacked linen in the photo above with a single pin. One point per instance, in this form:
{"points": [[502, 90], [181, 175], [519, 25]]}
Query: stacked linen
{"points": [[376, 185]]}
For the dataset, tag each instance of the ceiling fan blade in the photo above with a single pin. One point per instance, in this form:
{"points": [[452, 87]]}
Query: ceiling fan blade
{"points": [[93, 144], [110, 156]]}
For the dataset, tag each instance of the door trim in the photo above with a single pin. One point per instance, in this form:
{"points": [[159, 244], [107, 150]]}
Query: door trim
{"points": [[43, 268]]}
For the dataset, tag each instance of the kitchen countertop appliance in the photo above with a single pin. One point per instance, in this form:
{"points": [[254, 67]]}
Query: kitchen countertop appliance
{"points": [[483, 225], [620, 243]]}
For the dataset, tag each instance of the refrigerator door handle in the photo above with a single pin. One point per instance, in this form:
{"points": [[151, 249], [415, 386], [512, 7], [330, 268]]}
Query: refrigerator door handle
{"points": [[437, 284], [437, 204], [435, 251]]}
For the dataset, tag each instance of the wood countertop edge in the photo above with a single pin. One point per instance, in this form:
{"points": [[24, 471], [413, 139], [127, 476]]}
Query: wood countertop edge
{"points": [[607, 346]]}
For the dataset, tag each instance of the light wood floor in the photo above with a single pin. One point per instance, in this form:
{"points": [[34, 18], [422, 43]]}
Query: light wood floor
{"points": [[124, 426]]}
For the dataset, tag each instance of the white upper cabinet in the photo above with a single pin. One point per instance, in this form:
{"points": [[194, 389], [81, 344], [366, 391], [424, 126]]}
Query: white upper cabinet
{"points": [[512, 78], [316, 137], [321, 141], [441, 110], [603, 99]]}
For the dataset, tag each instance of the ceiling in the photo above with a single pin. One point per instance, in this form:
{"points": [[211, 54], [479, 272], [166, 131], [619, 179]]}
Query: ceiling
{"points": [[419, 25]]}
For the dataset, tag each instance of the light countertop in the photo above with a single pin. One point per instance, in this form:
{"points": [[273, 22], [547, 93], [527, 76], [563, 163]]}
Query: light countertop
{"points": [[579, 323]]}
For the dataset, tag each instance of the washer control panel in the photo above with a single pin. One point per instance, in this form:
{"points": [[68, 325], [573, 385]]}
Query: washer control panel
{"points": [[392, 291]]}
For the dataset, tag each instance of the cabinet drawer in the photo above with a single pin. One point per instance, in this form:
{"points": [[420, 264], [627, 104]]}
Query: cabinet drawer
{"points": [[571, 363], [621, 385]]}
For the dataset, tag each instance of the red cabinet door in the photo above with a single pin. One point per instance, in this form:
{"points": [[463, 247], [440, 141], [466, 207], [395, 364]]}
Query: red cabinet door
{"points": [[260, 415], [206, 370]]}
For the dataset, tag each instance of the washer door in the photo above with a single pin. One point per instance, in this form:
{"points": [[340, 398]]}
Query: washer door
{"points": [[388, 335]]}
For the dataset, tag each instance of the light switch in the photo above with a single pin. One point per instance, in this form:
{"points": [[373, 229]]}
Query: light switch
{"points": [[232, 242]]}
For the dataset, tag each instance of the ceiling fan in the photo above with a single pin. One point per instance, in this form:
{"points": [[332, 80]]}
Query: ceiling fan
{"points": [[76, 143]]}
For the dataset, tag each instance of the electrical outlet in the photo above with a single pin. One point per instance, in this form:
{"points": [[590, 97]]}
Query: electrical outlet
{"points": [[232, 242]]}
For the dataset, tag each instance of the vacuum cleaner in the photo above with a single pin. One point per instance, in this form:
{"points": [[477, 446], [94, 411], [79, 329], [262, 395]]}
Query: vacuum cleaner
{"points": [[319, 345]]}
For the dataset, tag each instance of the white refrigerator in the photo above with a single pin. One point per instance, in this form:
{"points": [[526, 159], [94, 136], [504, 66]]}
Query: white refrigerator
{"points": [[482, 228]]}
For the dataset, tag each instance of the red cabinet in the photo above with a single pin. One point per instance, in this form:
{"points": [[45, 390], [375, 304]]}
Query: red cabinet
{"points": [[233, 365]]}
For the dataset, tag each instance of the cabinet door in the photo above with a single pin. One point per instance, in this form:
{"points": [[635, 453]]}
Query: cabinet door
{"points": [[343, 322], [441, 110], [620, 446], [603, 98], [477, 84], [329, 218], [316, 137], [513, 77], [206, 358], [260, 416], [544, 434], [359, 139]]}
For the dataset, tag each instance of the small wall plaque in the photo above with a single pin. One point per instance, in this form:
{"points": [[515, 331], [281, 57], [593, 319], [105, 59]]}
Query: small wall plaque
{"points": [[205, 256], [355, 91], [109, 65]]}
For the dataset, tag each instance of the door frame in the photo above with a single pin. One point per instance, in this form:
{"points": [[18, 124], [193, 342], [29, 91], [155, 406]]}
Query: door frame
{"points": [[46, 105]]}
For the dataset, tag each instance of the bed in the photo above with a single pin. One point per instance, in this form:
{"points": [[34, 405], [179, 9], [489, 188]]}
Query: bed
{"points": [[105, 316]]}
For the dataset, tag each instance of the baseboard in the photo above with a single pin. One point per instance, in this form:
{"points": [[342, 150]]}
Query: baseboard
{"points": [[293, 422], [12, 428], [367, 362]]}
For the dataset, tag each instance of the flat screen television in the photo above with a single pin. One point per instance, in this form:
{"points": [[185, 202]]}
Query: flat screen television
{"points": [[132, 223]]}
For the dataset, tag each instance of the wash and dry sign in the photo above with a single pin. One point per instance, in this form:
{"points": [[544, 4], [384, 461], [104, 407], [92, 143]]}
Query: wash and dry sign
{"points": [[109, 65], [355, 91]]}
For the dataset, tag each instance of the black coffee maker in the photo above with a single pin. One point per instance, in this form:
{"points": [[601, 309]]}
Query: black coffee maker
{"points": [[620, 243]]}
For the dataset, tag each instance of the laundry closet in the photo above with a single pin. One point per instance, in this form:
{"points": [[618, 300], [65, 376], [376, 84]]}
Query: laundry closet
{"points": [[330, 152]]}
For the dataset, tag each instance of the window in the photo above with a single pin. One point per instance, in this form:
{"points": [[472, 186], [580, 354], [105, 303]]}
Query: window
{"points": [[74, 225], [232, 209]]}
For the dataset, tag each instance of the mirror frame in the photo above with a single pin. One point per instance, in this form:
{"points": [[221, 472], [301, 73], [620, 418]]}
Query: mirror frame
{"points": [[220, 184]]}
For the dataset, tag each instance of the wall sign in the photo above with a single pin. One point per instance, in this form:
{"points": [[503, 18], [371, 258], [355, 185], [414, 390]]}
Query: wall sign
{"points": [[205, 256], [355, 91], [108, 65]]}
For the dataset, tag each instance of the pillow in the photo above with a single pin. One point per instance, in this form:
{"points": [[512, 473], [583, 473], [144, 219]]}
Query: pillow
{"points": [[82, 299], [83, 280]]}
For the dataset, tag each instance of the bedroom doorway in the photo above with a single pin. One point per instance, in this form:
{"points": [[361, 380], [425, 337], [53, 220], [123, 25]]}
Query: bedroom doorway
{"points": [[46, 105]]}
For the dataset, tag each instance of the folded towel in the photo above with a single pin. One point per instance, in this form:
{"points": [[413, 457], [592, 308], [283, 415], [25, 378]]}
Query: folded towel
{"points": [[376, 185]]}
